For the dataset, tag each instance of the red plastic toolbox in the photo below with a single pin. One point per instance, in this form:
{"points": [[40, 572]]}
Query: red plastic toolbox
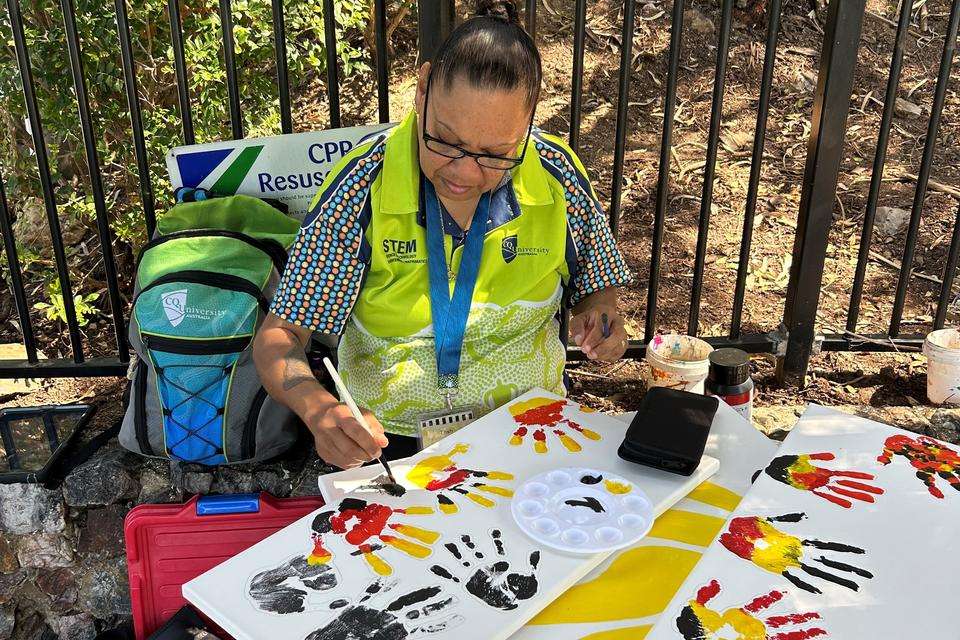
{"points": [[170, 544]]}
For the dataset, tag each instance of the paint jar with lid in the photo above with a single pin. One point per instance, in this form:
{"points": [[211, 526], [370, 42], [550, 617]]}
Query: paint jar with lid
{"points": [[729, 379]]}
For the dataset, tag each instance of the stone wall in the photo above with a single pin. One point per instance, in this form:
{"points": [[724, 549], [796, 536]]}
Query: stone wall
{"points": [[62, 558]]}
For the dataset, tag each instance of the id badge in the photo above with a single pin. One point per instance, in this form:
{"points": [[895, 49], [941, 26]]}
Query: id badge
{"points": [[437, 425]]}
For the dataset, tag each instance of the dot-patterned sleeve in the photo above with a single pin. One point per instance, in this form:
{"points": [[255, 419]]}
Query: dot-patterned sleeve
{"points": [[599, 262], [325, 269]]}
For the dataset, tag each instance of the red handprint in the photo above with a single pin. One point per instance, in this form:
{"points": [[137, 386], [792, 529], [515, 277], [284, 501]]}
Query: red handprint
{"points": [[698, 622], [798, 472], [546, 412], [360, 522], [931, 458]]}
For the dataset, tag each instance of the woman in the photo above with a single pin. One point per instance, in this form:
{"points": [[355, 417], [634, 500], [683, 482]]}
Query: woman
{"points": [[440, 252]]}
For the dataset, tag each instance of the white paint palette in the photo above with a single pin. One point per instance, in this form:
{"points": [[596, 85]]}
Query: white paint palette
{"points": [[583, 511]]}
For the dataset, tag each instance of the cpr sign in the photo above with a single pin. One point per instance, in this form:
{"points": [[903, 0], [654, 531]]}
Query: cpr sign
{"points": [[289, 168]]}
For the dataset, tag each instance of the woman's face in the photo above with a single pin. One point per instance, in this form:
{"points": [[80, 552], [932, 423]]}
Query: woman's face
{"points": [[490, 122]]}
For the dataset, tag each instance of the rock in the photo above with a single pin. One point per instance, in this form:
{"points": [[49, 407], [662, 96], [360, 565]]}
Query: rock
{"points": [[30, 626], [233, 480], [61, 586], [103, 590], [103, 532], [648, 10], [44, 550], [306, 483], [907, 109], [78, 627], [8, 556], [8, 619], [698, 22], [190, 478], [891, 220], [101, 481], [276, 482], [774, 422], [29, 508], [10, 584], [155, 488]]}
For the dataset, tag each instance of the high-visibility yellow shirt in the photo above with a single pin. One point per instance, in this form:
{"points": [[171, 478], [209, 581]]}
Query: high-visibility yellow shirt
{"points": [[359, 270]]}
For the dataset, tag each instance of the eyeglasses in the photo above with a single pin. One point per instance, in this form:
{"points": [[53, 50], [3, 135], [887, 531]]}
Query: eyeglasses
{"points": [[453, 151]]}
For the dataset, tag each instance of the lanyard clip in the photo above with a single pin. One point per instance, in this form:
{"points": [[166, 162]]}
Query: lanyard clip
{"points": [[448, 385]]}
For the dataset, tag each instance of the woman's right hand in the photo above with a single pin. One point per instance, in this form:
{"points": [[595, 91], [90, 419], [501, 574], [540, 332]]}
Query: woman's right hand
{"points": [[339, 438]]}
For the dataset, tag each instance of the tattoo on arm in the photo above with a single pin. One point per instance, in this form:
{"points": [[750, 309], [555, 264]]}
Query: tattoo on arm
{"points": [[296, 371]]}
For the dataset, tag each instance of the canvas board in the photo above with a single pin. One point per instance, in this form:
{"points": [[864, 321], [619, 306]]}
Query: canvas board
{"points": [[851, 531], [451, 563], [625, 595]]}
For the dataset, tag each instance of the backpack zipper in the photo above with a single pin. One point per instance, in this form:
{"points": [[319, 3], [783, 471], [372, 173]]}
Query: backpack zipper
{"points": [[140, 408], [198, 347], [273, 249], [248, 441]]}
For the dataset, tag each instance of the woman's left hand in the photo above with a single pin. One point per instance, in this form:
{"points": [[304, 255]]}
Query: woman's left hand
{"points": [[586, 329]]}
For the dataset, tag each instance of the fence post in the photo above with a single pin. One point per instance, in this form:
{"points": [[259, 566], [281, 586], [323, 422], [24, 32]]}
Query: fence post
{"points": [[828, 125], [436, 18]]}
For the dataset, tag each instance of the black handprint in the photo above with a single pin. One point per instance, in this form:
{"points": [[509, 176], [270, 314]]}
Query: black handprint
{"points": [[284, 589], [407, 616], [494, 584]]}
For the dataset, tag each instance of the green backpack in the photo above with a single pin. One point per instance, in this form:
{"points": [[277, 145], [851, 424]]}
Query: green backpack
{"points": [[204, 282]]}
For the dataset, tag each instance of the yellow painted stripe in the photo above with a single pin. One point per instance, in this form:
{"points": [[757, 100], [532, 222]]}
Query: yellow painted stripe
{"points": [[639, 582], [715, 496], [627, 633], [687, 527]]}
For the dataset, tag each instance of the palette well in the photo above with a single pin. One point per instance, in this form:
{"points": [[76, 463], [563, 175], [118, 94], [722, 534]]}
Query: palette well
{"points": [[581, 510]]}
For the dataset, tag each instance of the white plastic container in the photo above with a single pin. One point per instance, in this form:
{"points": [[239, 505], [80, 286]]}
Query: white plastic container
{"points": [[678, 361], [942, 349]]}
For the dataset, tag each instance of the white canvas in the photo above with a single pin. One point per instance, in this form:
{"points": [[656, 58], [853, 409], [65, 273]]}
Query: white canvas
{"points": [[480, 577], [872, 540], [625, 595]]}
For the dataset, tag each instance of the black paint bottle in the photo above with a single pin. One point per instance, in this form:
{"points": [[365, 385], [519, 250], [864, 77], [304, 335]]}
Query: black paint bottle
{"points": [[729, 379]]}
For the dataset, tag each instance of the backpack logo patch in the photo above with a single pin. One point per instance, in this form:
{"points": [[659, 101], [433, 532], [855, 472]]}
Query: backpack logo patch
{"points": [[175, 306]]}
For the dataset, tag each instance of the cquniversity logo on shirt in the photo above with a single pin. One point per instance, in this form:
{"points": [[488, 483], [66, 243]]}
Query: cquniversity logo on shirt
{"points": [[508, 248], [174, 306]]}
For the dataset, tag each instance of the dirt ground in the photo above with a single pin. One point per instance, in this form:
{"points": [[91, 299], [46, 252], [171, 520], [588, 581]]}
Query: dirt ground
{"points": [[872, 379]]}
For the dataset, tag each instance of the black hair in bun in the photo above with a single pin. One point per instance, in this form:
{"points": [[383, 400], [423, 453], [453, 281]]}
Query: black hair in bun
{"points": [[492, 51], [505, 10]]}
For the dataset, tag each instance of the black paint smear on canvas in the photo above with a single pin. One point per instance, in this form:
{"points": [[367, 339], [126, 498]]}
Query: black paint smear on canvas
{"points": [[383, 484], [271, 590], [589, 502], [588, 479], [361, 622], [789, 517]]}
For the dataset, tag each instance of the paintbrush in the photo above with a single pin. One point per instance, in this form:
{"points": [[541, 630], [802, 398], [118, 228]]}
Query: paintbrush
{"points": [[347, 399]]}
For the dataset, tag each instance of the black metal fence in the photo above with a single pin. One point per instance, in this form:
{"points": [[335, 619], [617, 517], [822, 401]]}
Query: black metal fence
{"points": [[793, 344]]}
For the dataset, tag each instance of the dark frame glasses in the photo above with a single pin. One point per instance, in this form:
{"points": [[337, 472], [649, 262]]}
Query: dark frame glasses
{"points": [[455, 152]]}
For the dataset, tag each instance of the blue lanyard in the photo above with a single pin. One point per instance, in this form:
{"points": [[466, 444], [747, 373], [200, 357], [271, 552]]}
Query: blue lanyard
{"points": [[450, 315]]}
